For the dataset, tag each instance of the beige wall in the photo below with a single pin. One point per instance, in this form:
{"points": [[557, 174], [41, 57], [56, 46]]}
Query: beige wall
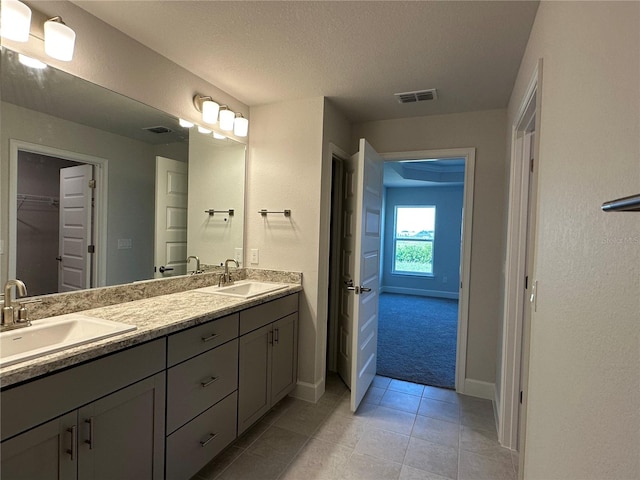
{"points": [[283, 172], [584, 387], [485, 131]]}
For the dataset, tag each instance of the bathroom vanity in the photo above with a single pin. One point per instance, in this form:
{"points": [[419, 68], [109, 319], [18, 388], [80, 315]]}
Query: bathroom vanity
{"points": [[159, 402]]}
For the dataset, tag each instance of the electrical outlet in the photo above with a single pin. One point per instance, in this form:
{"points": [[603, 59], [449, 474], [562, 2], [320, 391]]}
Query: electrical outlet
{"points": [[124, 243], [238, 255], [254, 256]]}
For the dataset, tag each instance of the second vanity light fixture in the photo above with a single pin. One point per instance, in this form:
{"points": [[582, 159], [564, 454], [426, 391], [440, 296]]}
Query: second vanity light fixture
{"points": [[228, 120], [59, 39]]}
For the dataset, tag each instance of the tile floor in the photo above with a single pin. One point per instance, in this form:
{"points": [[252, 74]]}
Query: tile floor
{"points": [[401, 431]]}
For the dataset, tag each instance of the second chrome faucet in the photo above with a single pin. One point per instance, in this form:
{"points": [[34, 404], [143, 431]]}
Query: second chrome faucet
{"points": [[225, 278]]}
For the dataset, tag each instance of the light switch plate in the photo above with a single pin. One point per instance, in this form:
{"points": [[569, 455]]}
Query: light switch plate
{"points": [[255, 258], [238, 255], [124, 243]]}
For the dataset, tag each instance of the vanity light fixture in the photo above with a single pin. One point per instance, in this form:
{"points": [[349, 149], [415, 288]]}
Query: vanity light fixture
{"points": [[208, 107], [15, 21], [185, 123], [31, 62], [59, 40], [226, 118], [240, 125], [201, 129]]}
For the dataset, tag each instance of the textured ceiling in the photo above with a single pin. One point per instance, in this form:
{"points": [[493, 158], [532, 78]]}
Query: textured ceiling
{"points": [[357, 53]]}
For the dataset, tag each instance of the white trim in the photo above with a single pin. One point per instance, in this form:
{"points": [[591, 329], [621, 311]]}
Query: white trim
{"points": [[101, 176], [420, 292], [309, 392], [508, 399], [480, 389], [469, 154]]}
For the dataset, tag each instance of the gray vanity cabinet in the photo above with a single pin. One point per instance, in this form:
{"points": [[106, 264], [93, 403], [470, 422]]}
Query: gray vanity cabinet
{"points": [[43, 452], [267, 367], [114, 428]]}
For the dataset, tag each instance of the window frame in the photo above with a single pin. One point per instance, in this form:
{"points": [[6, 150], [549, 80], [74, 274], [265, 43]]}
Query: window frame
{"points": [[395, 240]]}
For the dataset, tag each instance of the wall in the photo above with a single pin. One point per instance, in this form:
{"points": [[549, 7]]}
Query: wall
{"points": [[283, 171], [486, 132], [130, 206], [584, 388], [446, 260]]}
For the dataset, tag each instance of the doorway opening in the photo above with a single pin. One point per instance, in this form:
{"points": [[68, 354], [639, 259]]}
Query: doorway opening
{"points": [[55, 215], [465, 159]]}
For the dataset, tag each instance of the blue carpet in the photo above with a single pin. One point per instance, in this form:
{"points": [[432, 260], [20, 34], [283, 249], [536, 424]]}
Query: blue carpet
{"points": [[417, 339]]}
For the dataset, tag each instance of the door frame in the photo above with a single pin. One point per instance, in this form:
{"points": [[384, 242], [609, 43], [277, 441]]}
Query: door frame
{"points": [[99, 274], [514, 338], [469, 154]]}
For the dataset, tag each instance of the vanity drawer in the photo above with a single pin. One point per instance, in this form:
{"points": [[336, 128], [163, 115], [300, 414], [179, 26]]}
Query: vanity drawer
{"points": [[195, 385], [256, 317], [186, 454], [196, 340]]}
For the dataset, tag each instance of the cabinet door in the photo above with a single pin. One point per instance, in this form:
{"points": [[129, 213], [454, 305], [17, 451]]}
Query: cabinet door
{"points": [[284, 359], [122, 435], [44, 452], [254, 373]]}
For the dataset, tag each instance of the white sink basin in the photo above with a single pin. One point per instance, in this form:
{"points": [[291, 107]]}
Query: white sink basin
{"points": [[54, 334], [244, 289]]}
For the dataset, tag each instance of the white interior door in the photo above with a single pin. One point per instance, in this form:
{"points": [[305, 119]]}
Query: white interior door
{"points": [[170, 250], [74, 272], [367, 190]]}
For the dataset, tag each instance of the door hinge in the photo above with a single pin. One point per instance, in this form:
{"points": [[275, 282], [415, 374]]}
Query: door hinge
{"points": [[520, 396], [526, 282], [531, 164], [92, 183], [91, 249]]}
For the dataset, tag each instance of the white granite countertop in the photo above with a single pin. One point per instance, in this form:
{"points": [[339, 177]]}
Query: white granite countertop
{"points": [[154, 318]]}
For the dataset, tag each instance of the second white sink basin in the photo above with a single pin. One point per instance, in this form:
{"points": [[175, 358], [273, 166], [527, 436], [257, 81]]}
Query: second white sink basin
{"points": [[53, 334], [244, 289]]}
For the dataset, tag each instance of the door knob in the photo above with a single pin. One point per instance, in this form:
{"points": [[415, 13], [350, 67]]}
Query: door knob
{"points": [[350, 286], [165, 269]]}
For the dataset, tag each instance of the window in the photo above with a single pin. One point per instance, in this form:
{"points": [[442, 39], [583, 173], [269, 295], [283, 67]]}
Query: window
{"points": [[414, 231]]}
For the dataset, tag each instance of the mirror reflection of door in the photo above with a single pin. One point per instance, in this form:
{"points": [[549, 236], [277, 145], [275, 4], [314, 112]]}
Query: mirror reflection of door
{"points": [[170, 252], [38, 224]]}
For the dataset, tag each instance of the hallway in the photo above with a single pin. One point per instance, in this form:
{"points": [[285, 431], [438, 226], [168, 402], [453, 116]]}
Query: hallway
{"points": [[401, 431]]}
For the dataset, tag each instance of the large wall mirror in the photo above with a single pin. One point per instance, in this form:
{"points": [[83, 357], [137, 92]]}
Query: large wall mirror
{"points": [[103, 190]]}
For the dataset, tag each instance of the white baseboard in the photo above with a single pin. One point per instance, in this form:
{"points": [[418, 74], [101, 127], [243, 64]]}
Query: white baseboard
{"points": [[309, 392], [420, 292], [480, 389]]}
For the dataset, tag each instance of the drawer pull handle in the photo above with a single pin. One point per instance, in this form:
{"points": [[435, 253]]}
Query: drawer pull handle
{"points": [[90, 441], [209, 382], [204, 443], [74, 439], [210, 337]]}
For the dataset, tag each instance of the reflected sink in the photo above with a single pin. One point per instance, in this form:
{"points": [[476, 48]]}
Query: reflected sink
{"points": [[53, 334], [244, 289]]}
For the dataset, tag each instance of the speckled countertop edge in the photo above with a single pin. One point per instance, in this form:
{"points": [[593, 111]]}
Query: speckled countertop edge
{"points": [[154, 318]]}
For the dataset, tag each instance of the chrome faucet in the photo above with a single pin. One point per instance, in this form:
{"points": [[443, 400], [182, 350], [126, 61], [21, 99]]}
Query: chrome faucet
{"points": [[197, 270], [13, 317], [225, 278]]}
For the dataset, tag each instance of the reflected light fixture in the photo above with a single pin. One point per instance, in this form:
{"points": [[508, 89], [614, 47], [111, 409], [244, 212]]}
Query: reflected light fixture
{"points": [[218, 136], [206, 131], [59, 40], [31, 62], [15, 20], [185, 123], [240, 125], [226, 118]]}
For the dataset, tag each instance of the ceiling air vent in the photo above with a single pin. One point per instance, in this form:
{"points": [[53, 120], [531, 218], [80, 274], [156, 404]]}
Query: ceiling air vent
{"points": [[417, 96], [158, 129]]}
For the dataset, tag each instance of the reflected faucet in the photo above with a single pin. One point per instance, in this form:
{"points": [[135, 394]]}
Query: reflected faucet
{"points": [[13, 317], [197, 270], [226, 277]]}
